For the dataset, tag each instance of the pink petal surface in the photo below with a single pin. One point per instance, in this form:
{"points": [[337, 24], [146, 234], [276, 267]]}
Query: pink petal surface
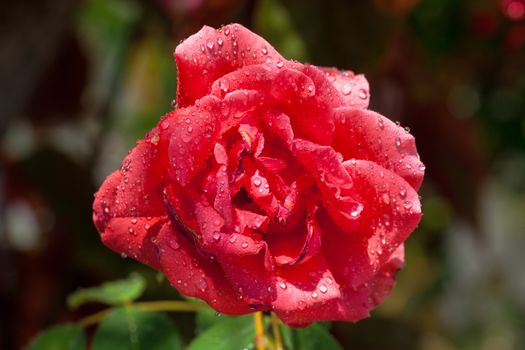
{"points": [[212, 53], [391, 211], [354, 89], [378, 139], [193, 275], [128, 206]]}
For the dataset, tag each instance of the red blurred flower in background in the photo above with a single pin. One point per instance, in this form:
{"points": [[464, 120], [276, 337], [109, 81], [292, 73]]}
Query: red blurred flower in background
{"points": [[270, 187]]}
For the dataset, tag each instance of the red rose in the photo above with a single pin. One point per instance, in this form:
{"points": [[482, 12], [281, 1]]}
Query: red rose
{"points": [[270, 187]]}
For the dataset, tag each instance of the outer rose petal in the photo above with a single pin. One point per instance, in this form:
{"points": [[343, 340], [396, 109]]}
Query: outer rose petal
{"points": [[128, 206], [354, 304], [353, 88], [303, 287], [377, 139], [212, 53], [391, 211], [193, 275]]}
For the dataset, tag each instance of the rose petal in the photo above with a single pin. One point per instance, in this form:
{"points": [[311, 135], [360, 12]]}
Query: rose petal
{"points": [[297, 247], [325, 166], [129, 198], [353, 88], [354, 304], [210, 54], [391, 211], [191, 134], [305, 286], [194, 275], [294, 92], [377, 139]]}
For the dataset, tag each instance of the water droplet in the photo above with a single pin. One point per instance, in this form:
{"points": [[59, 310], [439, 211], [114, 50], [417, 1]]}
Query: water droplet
{"points": [[407, 204], [216, 235], [227, 31], [165, 124], [282, 285], [310, 88], [380, 122], [130, 230], [244, 245], [224, 85], [315, 295], [173, 103], [329, 280], [398, 142], [190, 129], [133, 221], [233, 238], [422, 167], [353, 161], [347, 89], [219, 41], [264, 51], [323, 288], [402, 192], [362, 94], [280, 64], [179, 281], [301, 304], [354, 213], [257, 181], [202, 285], [174, 244], [123, 255], [106, 210], [209, 44]]}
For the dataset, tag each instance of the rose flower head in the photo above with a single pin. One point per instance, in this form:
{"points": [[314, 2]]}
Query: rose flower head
{"points": [[271, 186]]}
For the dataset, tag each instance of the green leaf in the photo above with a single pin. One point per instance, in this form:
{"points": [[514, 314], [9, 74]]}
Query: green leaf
{"points": [[112, 293], [62, 337], [129, 328], [233, 333], [316, 337]]}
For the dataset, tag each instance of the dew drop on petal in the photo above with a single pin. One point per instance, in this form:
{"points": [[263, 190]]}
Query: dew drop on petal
{"points": [[347, 89], [244, 245], [398, 142], [323, 288], [282, 285]]}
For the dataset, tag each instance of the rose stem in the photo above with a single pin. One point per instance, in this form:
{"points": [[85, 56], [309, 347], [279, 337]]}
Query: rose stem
{"points": [[148, 306], [259, 330], [276, 332]]}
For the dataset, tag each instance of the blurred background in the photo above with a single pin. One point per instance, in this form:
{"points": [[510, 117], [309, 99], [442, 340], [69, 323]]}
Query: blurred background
{"points": [[81, 81]]}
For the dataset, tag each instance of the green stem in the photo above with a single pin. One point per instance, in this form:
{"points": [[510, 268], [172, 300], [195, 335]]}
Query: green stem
{"points": [[148, 306]]}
